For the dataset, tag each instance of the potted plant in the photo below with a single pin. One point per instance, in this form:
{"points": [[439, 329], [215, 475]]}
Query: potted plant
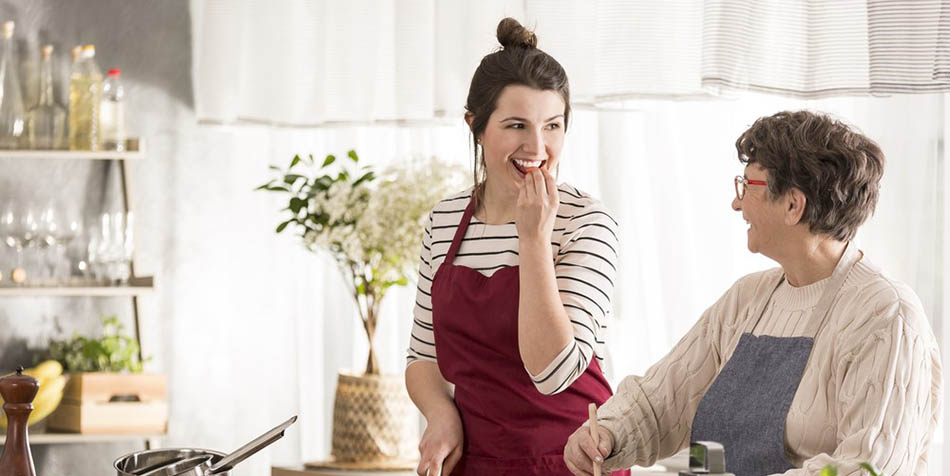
{"points": [[107, 391], [371, 225]]}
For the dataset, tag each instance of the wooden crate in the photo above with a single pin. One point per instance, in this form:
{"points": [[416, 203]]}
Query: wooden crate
{"points": [[96, 403]]}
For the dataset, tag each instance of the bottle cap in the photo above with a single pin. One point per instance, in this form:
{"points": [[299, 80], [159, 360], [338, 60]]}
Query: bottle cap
{"points": [[115, 72], [8, 29], [47, 51], [76, 52], [89, 50]]}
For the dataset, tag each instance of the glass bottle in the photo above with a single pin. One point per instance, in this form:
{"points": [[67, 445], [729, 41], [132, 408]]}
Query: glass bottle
{"points": [[112, 113], [46, 121], [85, 99], [11, 100]]}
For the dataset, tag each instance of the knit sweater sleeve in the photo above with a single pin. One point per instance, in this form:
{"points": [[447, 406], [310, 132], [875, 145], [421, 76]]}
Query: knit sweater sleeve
{"points": [[889, 389], [650, 416]]}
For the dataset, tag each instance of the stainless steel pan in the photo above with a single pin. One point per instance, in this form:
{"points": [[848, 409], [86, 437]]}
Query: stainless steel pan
{"points": [[186, 462]]}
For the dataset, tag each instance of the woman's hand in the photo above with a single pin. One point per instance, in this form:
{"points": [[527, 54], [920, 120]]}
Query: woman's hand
{"points": [[441, 445], [537, 206], [580, 451]]}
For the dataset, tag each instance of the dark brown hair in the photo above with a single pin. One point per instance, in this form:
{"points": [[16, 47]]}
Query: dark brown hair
{"points": [[519, 61], [837, 168]]}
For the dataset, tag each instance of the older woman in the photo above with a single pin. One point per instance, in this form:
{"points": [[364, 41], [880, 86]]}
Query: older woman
{"points": [[825, 360]]}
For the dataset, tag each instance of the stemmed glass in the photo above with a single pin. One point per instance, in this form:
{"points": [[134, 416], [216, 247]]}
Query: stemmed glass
{"points": [[71, 228], [110, 248], [10, 231], [47, 234]]}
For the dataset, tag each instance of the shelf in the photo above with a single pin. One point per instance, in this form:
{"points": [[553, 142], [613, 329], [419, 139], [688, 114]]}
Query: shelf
{"points": [[137, 286], [136, 152], [69, 438]]}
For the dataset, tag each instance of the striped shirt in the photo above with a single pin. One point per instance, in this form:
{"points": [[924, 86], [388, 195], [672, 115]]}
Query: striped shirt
{"points": [[584, 245]]}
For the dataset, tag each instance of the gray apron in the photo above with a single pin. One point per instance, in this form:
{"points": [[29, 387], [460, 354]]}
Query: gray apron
{"points": [[746, 407]]}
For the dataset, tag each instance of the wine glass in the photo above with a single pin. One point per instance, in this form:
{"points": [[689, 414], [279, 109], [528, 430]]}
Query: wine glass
{"points": [[10, 232], [47, 233]]}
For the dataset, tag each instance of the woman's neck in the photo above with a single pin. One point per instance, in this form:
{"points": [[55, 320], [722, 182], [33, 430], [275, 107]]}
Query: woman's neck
{"points": [[496, 207], [812, 260]]}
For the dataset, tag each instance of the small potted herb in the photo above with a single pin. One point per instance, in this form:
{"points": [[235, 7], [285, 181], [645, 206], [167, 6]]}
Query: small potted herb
{"points": [[107, 391]]}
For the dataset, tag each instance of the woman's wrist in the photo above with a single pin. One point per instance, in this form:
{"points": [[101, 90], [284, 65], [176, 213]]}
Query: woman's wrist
{"points": [[441, 411], [534, 242]]}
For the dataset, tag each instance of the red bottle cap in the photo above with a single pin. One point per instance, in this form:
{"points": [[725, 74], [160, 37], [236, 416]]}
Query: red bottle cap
{"points": [[115, 72]]}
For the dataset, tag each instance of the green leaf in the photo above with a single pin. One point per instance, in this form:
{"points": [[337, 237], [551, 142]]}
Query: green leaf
{"points": [[289, 179], [871, 469], [367, 177], [294, 162], [263, 187], [274, 167], [829, 471], [352, 154], [276, 188], [113, 352], [310, 158], [283, 225], [296, 204], [329, 160]]}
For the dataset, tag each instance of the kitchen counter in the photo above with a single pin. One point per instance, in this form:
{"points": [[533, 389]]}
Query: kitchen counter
{"points": [[667, 467]]}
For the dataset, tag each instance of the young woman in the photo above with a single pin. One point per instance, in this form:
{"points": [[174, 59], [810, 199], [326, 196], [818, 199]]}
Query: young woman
{"points": [[515, 284]]}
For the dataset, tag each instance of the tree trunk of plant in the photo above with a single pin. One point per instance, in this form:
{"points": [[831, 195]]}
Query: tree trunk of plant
{"points": [[372, 364]]}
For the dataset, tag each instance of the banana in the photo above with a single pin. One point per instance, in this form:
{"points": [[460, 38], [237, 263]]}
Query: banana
{"points": [[47, 370], [50, 393], [47, 399]]}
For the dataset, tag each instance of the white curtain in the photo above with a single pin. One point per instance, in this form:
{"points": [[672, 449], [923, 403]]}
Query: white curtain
{"points": [[663, 167]]}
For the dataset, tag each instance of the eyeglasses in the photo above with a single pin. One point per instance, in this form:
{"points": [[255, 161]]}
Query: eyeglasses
{"points": [[741, 183]]}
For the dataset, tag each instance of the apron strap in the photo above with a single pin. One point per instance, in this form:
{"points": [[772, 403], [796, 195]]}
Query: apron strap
{"points": [[820, 314], [460, 231], [838, 277]]}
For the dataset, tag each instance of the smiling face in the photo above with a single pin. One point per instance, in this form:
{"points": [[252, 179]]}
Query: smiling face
{"points": [[525, 131], [765, 216]]}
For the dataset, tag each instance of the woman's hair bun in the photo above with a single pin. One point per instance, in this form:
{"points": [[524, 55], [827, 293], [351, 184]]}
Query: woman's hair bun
{"points": [[511, 33]]}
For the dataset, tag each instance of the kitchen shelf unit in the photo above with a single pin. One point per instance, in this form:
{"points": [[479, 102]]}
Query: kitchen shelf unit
{"points": [[137, 285], [41, 438]]}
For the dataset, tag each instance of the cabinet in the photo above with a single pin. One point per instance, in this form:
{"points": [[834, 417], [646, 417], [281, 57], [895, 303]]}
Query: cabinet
{"points": [[137, 285]]}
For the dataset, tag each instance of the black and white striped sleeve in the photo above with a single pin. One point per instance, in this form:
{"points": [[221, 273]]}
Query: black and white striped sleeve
{"points": [[421, 340], [586, 269]]}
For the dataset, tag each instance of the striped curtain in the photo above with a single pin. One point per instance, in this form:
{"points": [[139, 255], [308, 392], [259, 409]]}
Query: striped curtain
{"points": [[819, 48], [307, 63]]}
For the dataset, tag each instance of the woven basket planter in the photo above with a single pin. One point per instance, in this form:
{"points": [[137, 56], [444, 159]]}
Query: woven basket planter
{"points": [[372, 423]]}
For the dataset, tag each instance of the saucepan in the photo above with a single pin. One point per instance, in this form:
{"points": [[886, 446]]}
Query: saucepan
{"points": [[192, 461]]}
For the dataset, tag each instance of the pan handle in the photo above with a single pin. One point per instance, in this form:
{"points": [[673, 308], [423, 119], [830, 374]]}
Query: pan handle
{"points": [[249, 449]]}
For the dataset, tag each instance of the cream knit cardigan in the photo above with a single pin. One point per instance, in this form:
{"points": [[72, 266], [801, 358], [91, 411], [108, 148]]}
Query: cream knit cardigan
{"points": [[872, 389]]}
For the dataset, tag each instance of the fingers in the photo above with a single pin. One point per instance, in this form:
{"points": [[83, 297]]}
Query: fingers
{"points": [[431, 464], [452, 460], [606, 441], [550, 186], [537, 182], [591, 451], [579, 461]]}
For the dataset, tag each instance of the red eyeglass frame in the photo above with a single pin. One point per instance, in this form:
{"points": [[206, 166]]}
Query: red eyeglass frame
{"points": [[740, 192]]}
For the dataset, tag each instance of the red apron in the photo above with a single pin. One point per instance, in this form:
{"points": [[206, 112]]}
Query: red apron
{"points": [[510, 427]]}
